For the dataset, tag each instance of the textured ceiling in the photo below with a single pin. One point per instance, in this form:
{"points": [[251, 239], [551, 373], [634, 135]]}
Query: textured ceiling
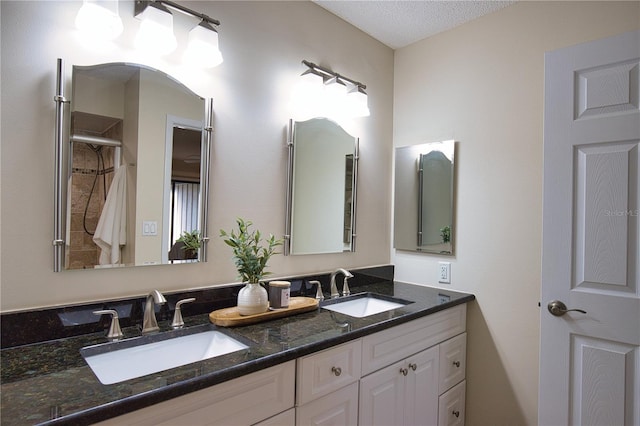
{"points": [[400, 23]]}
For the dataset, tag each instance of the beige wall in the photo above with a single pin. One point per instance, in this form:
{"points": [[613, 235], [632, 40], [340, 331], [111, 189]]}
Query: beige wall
{"points": [[263, 44], [482, 85]]}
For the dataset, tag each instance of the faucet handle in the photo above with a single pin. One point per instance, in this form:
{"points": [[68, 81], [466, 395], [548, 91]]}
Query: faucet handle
{"points": [[319, 295], [178, 322], [115, 333], [345, 286]]}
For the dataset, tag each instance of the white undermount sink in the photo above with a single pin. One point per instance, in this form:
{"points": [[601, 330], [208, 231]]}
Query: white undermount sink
{"points": [[364, 305], [118, 365]]}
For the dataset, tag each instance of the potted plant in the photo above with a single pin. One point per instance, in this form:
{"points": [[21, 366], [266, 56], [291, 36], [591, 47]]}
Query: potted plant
{"points": [[445, 234], [250, 257], [191, 243]]}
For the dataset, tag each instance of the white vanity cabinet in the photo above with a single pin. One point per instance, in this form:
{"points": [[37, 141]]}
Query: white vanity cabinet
{"points": [[406, 372], [327, 386], [409, 374], [243, 401]]}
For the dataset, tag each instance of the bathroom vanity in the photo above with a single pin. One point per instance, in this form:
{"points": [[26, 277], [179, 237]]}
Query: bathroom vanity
{"points": [[402, 366]]}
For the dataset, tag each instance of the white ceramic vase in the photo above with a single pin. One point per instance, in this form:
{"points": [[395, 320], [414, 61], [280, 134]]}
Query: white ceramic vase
{"points": [[252, 299]]}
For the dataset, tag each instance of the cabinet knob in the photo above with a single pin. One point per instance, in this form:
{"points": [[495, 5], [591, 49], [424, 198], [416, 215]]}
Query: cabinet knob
{"points": [[456, 413], [336, 370], [456, 363], [413, 366], [404, 371]]}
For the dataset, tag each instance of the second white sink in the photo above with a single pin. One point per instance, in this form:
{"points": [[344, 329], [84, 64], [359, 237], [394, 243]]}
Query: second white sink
{"points": [[130, 362], [363, 306]]}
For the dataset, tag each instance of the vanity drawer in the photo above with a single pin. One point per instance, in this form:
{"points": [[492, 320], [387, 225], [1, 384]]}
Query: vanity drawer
{"points": [[287, 418], [453, 362], [392, 345], [323, 372], [451, 406], [338, 408]]}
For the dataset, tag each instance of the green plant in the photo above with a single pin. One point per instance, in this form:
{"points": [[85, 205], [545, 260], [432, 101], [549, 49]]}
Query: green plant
{"points": [[249, 255], [445, 234], [191, 240]]}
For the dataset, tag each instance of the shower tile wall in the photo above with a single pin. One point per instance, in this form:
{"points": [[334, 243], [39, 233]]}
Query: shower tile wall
{"points": [[82, 251]]}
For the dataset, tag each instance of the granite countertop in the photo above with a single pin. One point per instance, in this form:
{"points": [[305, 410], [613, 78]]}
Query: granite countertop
{"points": [[50, 382]]}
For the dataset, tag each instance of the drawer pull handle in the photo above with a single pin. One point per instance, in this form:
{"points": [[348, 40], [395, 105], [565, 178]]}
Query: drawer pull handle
{"points": [[456, 413], [456, 363], [336, 370], [413, 367], [404, 371]]}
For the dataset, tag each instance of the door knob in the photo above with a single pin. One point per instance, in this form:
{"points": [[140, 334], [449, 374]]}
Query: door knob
{"points": [[558, 309]]}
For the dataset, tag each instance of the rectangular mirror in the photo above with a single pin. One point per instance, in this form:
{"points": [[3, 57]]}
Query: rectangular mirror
{"points": [[424, 198], [138, 159], [323, 176]]}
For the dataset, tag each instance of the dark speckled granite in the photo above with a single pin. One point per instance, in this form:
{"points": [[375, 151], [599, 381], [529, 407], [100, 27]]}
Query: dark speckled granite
{"points": [[49, 382]]}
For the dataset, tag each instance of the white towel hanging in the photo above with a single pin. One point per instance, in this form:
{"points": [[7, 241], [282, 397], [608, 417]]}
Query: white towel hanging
{"points": [[111, 232]]}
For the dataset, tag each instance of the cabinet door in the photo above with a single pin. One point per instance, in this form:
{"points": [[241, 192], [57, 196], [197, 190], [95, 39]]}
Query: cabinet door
{"points": [[382, 396], [421, 395], [453, 362], [451, 406], [337, 408]]}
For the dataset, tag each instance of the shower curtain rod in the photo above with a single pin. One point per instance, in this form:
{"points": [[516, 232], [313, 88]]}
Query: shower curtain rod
{"points": [[96, 140]]}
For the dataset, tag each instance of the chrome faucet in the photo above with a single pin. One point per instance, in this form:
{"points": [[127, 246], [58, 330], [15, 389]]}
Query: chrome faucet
{"points": [[149, 323], [345, 286], [319, 295]]}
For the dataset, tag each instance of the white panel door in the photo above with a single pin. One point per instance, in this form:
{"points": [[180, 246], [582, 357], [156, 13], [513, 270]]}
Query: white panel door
{"points": [[421, 395], [382, 397], [590, 362]]}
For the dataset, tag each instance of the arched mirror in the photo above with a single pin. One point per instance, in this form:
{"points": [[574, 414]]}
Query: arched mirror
{"points": [[424, 194], [322, 182], [137, 169]]}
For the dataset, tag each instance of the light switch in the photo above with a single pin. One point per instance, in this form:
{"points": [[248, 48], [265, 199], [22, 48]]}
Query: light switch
{"points": [[149, 228]]}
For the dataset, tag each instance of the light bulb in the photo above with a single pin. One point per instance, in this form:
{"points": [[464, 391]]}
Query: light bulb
{"points": [[156, 30], [202, 49], [98, 22], [357, 100]]}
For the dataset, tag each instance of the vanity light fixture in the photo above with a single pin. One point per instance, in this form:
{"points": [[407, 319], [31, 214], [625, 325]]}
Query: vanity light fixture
{"points": [[156, 32], [99, 20], [340, 92]]}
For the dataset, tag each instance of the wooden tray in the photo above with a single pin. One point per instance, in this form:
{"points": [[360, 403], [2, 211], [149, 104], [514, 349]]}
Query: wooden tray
{"points": [[230, 317]]}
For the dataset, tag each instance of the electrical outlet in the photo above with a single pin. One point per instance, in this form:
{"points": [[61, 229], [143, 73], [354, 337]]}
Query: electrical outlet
{"points": [[444, 272]]}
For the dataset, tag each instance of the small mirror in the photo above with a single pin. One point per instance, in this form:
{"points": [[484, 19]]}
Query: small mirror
{"points": [[138, 153], [423, 203], [323, 176]]}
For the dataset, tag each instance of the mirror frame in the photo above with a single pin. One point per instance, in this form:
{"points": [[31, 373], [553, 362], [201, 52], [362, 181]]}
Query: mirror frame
{"points": [[289, 198], [59, 181]]}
